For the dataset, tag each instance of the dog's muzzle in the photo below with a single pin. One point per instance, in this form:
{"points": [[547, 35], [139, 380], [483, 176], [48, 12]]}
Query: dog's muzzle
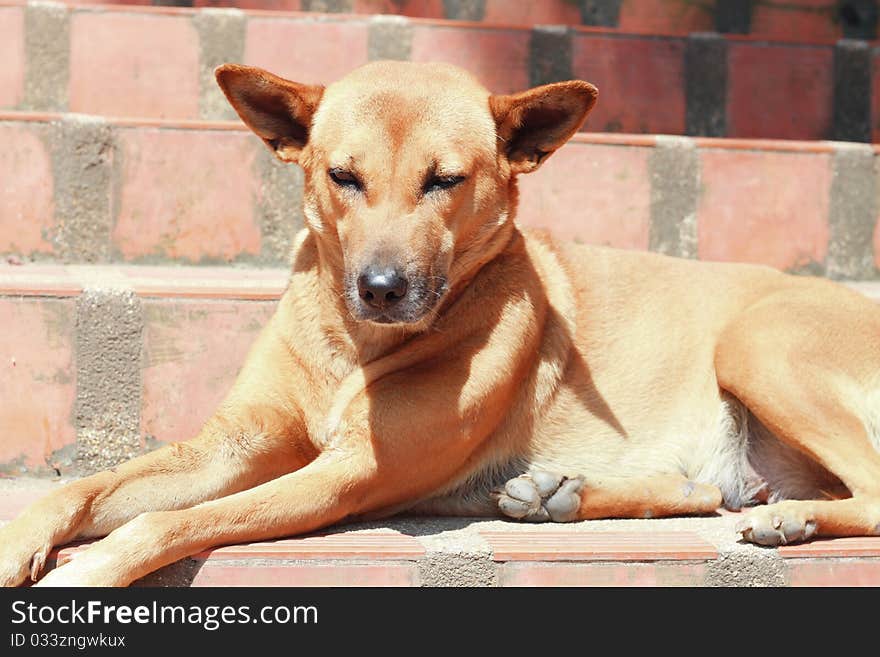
{"points": [[385, 295]]}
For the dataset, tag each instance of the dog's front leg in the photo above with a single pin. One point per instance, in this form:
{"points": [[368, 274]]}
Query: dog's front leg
{"points": [[379, 452], [250, 440], [224, 459], [541, 496], [323, 492]]}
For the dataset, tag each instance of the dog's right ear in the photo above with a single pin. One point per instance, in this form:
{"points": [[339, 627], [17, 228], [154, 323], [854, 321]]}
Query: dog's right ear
{"points": [[277, 110]]}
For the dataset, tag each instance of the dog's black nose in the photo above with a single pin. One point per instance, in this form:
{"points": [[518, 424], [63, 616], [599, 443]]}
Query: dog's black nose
{"points": [[381, 287]]}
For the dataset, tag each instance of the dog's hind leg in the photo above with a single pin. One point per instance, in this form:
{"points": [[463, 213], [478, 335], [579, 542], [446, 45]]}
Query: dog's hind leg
{"points": [[804, 364]]}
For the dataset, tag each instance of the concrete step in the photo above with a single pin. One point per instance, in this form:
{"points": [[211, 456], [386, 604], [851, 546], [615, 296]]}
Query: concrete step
{"points": [[156, 62], [99, 363], [799, 20], [79, 189], [478, 552]]}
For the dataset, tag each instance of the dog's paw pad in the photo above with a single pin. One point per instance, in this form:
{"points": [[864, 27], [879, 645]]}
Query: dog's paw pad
{"points": [[565, 502], [773, 527], [546, 483], [541, 497]]}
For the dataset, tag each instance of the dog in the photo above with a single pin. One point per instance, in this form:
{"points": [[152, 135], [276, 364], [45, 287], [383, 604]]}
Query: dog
{"points": [[429, 356]]}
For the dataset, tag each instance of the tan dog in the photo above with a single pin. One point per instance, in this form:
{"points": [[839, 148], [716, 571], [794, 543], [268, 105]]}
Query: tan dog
{"points": [[430, 356]]}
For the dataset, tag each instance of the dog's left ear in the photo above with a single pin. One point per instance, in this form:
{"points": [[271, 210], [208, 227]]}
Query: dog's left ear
{"points": [[532, 124], [277, 110]]}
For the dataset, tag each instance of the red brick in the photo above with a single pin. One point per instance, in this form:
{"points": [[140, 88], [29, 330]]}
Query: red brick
{"points": [[779, 91], [414, 8], [665, 16], [26, 204], [594, 194], [270, 5], [306, 574], [552, 12], [764, 207], [854, 546], [328, 560], [569, 545], [381, 544], [306, 50], [134, 64], [498, 57], [192, 352], [640, 81], [806, 21], [12, 56], [15, 500], [178, 205], [37, 384], [602, 574], [142, 3], [831, 572]]}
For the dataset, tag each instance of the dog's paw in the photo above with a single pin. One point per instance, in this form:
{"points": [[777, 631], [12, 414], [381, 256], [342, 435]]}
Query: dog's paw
{"points": [[69, 576], [95, 566], [22, 554], [777, 524], [541, 497]]}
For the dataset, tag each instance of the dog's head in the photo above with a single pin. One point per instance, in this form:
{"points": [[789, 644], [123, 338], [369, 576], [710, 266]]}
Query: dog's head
{"points": [[409, 170]]}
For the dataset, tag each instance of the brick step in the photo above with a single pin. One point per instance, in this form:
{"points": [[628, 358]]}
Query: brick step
{"points": [[78, 189], [99, 363], [178, 336], [476, 552], [156, 62], [801, 20]]}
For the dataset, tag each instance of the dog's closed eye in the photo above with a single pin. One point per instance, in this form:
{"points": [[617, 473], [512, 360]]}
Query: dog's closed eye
{"points": [[345, 178], [436, 183]]}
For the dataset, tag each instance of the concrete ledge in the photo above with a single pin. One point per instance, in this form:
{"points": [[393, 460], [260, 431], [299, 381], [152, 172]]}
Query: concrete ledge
{"points": [[404, 551], [185, 282], [145, 281]]}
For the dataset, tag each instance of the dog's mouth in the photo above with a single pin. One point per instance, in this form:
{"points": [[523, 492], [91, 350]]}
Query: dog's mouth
{"points": [[386, 319], [382, 319]]}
